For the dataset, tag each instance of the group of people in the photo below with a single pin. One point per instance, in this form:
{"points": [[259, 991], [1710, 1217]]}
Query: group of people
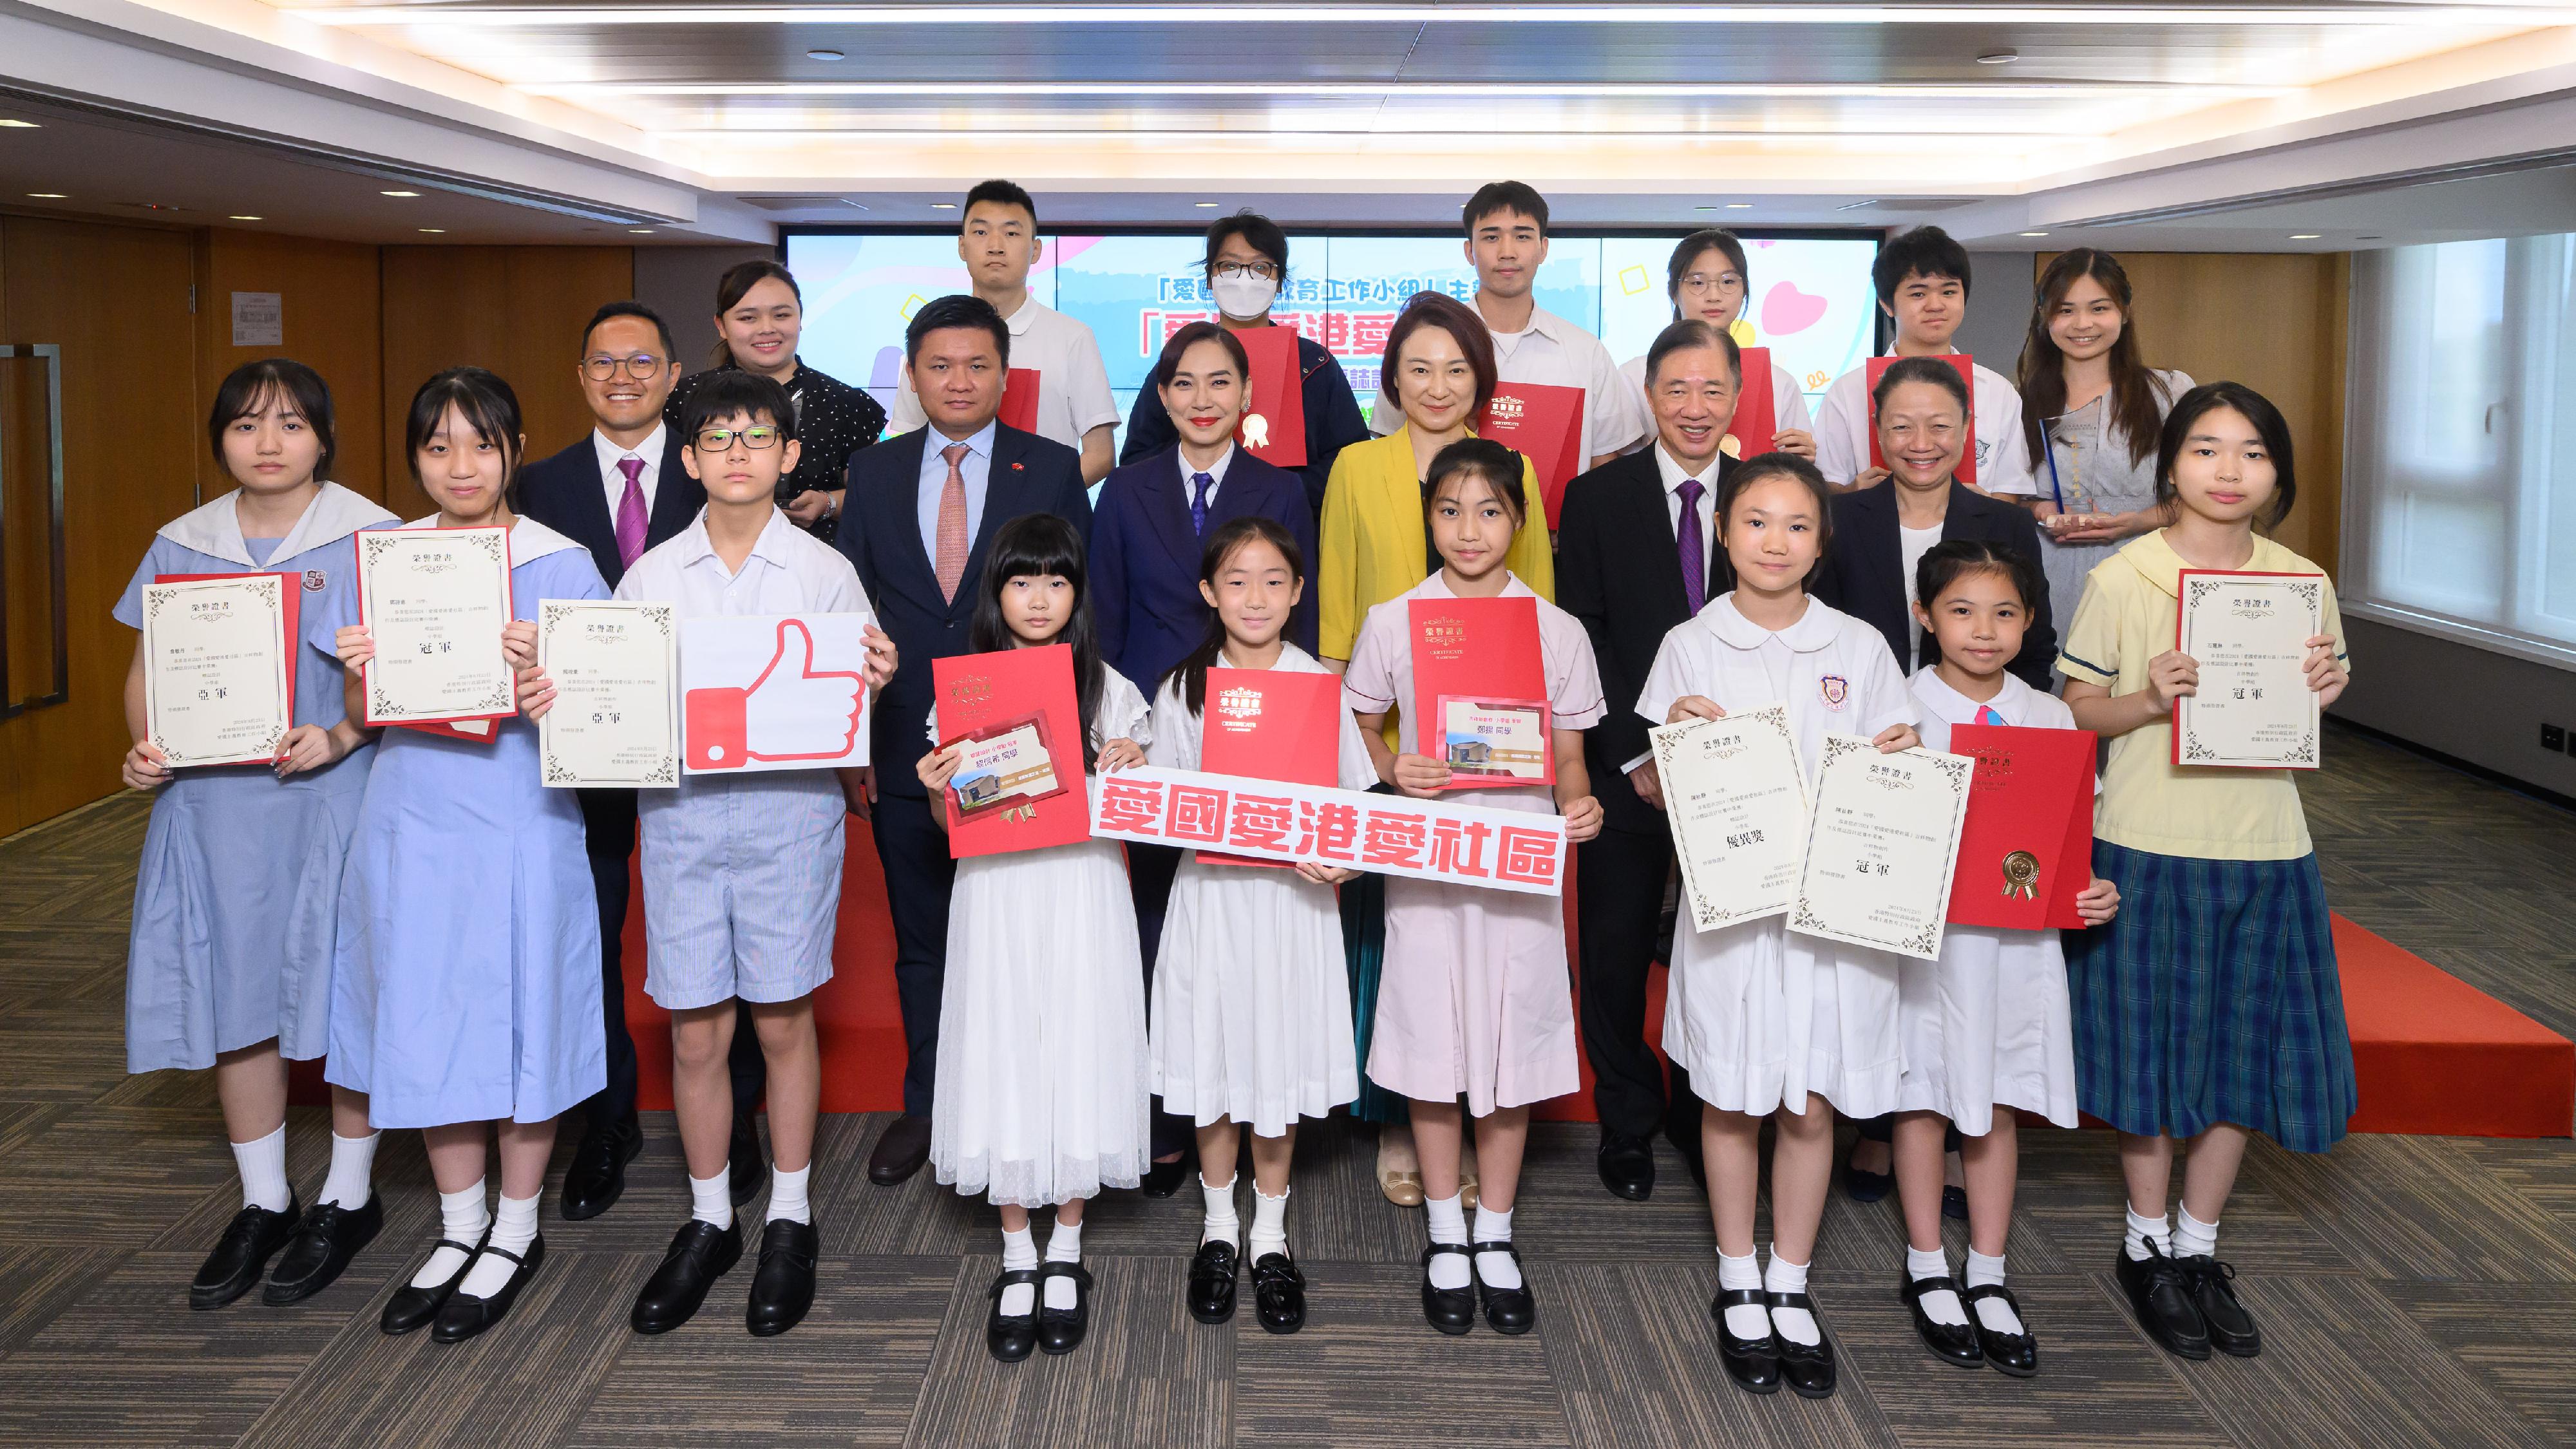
{"points": [[1088, 1017]]}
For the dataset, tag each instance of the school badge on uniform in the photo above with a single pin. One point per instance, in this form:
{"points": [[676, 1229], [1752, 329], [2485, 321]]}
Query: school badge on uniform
{"points": [[315, 581], [1834, 690]]}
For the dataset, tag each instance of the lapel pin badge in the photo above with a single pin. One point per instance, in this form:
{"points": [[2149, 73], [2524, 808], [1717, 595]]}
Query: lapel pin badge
{"points": [[1016, 467]]}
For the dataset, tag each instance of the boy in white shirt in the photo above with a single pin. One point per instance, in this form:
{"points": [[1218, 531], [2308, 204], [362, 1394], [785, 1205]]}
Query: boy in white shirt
{"points": [[1922, 282]]}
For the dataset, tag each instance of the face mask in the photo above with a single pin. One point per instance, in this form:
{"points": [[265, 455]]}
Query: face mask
{"points": [[1243, 298]]}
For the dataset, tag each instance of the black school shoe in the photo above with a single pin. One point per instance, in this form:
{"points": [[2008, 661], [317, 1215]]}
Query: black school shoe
{"points": [[2161, 1297], [241, 1255], [1451, 1310], [324, 1242], [1753, 1364], [1278, 1293], [699, 1254], [463, 1315], [1212, 1281], [1627, 1166], [1958, 1346], [1163, 1179], [2231, 1328], [1014, 1337], [2016, 1354], [1809, 1369], [1060, 1330], [597, 1175], [1507, 1310], [412, 1307], [782, 1288]]}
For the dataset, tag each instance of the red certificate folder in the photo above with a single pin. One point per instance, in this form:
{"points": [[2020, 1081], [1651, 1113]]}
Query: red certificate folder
{"points": [[1486, 650], [1020, 399], [977, 693], [2026, 850], [1967, 366], [1757, 413], [1271, 724], [290, 587], [1274, 420], [1545, 423]]}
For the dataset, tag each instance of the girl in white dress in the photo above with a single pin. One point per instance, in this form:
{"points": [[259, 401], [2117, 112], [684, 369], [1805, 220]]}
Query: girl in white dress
{"points": [[1042, 1083], [1252, 1003], [1985, 1028], [1769, 1024]]}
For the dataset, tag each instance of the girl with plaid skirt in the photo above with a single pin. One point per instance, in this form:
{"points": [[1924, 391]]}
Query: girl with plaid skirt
{"points": [[2210, 1009]]}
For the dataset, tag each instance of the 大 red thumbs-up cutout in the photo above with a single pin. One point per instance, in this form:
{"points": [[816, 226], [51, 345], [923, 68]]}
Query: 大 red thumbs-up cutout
{"points": [[793, 711]]}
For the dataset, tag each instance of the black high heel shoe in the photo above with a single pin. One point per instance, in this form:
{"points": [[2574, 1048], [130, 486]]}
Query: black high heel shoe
{"points": [[465, 1316], [1507, 1310], [411, 1307], [2016, 1354], [1753, 1363], [1451, 1310]]}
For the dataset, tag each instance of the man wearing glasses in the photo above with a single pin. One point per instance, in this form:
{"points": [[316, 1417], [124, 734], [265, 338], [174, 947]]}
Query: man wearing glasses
{"points": [[619, 492]]}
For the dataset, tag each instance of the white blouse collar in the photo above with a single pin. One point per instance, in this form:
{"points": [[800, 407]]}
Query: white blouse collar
{"points": [[214, 529], [1815, 629]]}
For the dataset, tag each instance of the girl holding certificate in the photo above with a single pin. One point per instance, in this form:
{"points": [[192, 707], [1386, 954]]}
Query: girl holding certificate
{"points": [[466, 990], [229, 964], [1043, 1099], [1770, 1024], [2211, 1010], [1984, 1028], [1251, 1008], [1708, 281], [1476, 998]]}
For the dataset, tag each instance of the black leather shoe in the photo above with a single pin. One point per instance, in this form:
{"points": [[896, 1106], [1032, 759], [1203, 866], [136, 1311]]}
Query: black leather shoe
{"points": [[1163, 1179], [1507, 1310], [1862, 1185], [2162, 1299], [241, 1255], [1808, 1370], [1753, 1363], [1954, 1203], [700, 1253], [1950, 1345], [597, 1175], [1060, 1330], [1451, 1310], [1014, 1338], [745, 1165], [324, 1242], [1212, 1282], [900, 1152], [1278, 1293], [2231, 1328], [1627, 1166], [782, 1287], [2016, 1354], [463, 1315], [411, 1307]]}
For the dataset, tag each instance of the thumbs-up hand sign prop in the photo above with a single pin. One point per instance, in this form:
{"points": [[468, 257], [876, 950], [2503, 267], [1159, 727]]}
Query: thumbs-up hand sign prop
{"points": [[803, 710]]}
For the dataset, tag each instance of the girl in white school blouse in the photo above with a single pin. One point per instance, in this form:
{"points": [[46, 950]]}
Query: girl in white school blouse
{"points": [[1252, 1005], [1769, 1024], [1985, 1027], [1043, 1098], [229, 964]]}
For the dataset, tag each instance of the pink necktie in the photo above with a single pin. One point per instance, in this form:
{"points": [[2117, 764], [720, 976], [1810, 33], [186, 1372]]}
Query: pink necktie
{"points": [[950, 531], [1986, 715], [630, 513]]}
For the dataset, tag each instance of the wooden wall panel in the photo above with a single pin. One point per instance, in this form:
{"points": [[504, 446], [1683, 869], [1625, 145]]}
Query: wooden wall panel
{"points": [[116, 299], [515, 310], [332, 323]]}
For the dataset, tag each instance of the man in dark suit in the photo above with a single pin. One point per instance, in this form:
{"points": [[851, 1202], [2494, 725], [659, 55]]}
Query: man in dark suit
{"points": [[918, 521], [1865, 576], [1638, 554]]}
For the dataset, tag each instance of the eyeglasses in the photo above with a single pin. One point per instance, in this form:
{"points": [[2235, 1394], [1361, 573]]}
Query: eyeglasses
{"points": [[1247, 271], [600, 367], [721, 440], [1703, 282]]}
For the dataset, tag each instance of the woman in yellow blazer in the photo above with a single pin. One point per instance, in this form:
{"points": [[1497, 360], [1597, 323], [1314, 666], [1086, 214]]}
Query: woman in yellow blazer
{"points": [[1439, 367]]}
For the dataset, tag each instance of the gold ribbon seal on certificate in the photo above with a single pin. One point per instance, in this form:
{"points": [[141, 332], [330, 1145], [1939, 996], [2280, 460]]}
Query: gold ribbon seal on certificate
{"points": [[1256, 431], [2021, 875]]}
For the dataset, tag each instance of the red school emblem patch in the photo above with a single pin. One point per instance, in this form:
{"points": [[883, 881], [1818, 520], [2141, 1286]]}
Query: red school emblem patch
{"points": [[1835, 690]]}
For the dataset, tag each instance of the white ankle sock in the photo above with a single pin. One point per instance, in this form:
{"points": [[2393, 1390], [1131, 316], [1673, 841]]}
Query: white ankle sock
{"points": [[1269, 1224], [1064, 1245], [1448, 1222], [2144, 1230], [2193, 1238], [1497, 1270], [514, 1227], [1019, 1254], [1994, 1313], [1744, 1320], [353, 1171], [1221, 1225], [1794, 1324], [263, 1171], [787, 1202], [1942, 1307], [711, 1198], [461, 1219]]}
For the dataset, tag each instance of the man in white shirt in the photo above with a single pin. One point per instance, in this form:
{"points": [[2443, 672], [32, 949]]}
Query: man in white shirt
{"points": [[1922, 282], [999, 243], [1506, 243]]}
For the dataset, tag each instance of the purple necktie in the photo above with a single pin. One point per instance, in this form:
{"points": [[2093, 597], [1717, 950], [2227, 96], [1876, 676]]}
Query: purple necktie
{"points": [[1694, 548], [1199, 502], [630, 513], [1986, 715]]}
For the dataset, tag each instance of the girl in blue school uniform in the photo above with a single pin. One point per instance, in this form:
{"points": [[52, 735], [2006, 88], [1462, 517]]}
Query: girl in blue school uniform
{"points": [[229, 965], [465, 990]]}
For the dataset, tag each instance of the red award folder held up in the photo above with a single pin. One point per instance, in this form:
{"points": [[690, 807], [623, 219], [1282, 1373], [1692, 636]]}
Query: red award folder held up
{"points": [[2026, 850], [1757, 413], [1545, 423], [1477, 659], [1271, 724], [1274, 418], [1967, 366], [289, 587], [1020, 399], [992, 697]]}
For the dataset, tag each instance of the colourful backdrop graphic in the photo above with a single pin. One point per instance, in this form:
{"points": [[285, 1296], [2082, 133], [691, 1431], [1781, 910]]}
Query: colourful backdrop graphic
{"points": [[1811, 302]]}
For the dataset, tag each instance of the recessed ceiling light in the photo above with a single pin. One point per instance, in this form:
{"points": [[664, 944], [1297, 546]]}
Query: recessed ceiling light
{"points": [[250, 218], [1856, 205], [14, 124], [640, 230], [823, 53], [2305, 235], [2034, 233], [398, 193], [1203, 205], [1739, 206], [2004, 56], [48, 195], [943, 206], [433, 231]]}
